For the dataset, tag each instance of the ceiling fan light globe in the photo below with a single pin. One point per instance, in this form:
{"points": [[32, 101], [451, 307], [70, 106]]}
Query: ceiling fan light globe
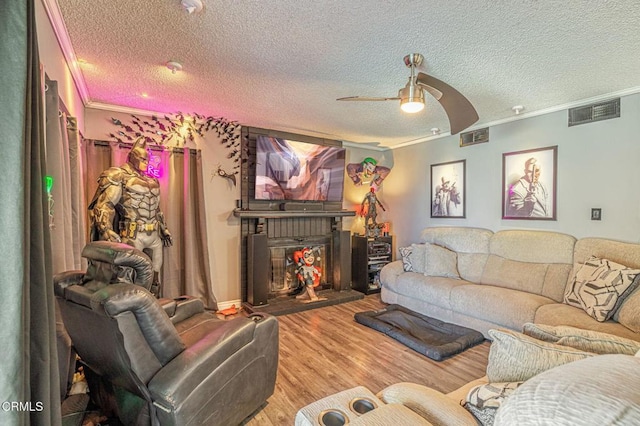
{"points": [[411, 98], [411, 107]]}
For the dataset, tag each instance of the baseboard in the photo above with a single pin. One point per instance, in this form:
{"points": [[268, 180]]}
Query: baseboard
{"points": [[229, 303]]}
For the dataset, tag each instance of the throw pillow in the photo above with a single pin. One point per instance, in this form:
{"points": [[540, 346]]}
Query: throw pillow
{"points": [[599, 287], [440, 262], [516, 357], [601, 390], [484, 400], [405, 253], [413, 258], [584, 340]]}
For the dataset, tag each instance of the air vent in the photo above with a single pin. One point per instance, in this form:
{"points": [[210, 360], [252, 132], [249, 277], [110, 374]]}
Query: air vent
{"points": [[594, 112], [474, 137]]}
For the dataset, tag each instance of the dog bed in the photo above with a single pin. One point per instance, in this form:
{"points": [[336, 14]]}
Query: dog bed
{"points": [[430, 337]]}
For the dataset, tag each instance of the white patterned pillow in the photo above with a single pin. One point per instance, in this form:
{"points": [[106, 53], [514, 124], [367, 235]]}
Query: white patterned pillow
{"points": [[405, 253], [484, 400], [600, 286]]}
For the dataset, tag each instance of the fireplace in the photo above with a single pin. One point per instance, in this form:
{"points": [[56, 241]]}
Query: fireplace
{"points": [[270, 241]]}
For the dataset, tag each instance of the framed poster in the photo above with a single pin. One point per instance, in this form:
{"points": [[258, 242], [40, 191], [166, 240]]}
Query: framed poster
{"points": [[448, 192], [529, 184]]}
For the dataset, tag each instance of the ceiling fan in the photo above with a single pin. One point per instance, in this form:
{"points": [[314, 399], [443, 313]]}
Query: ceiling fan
{"points": [[459, 110]]}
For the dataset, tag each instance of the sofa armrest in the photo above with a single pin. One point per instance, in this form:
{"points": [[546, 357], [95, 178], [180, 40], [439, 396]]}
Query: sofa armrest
{"points": [[195, 366], [430, 404], [65, 279], [391, 271], [392, 414]]}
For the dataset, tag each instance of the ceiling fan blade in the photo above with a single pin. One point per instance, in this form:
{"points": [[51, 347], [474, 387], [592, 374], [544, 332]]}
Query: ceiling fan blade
{"points": [[459, 110], [366, 98]]}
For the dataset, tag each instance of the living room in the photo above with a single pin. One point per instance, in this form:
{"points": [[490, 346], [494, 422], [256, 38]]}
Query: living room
{"points": [[594, 170]]}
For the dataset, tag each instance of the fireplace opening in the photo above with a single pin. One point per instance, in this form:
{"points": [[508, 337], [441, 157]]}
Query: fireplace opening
{"points": [[289, 260]]}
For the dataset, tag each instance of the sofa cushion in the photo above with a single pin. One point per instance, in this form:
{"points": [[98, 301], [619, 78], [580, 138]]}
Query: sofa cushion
{"points": [[523, 276], [601, 390], [562, 314], [471, 244], [440, 262], [510, 308], [515, 357], [600, 285], [435, 290], [584, 340]]}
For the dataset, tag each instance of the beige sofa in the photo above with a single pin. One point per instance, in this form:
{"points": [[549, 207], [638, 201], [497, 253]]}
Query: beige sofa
{"points": [[505, 279]]}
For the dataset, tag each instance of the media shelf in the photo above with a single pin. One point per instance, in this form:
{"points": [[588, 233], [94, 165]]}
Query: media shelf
{"points": [[368, 257]]}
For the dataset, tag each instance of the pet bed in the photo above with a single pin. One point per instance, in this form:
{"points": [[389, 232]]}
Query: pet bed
{"points": [[430, 337]]}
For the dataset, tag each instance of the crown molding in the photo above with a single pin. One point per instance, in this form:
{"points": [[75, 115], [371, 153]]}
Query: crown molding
{"points": [[60, 29]]}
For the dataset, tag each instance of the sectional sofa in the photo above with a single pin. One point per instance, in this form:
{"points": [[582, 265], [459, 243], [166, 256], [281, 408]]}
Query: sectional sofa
{"points": [[483, 280]]}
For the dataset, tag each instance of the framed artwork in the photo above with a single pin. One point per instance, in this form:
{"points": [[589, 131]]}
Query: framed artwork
{"points": [[529, 184], [448, 191]]}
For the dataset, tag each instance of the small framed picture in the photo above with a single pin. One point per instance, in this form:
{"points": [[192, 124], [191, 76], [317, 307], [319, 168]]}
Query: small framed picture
{"points": [[448, 191], [529, 184]]}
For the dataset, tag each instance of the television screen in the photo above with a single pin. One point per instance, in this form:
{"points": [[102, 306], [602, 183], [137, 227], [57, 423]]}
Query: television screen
{"points": [[290, 170]]}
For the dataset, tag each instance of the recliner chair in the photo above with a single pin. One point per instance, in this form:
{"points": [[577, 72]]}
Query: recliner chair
{"points": [[169, 362]]}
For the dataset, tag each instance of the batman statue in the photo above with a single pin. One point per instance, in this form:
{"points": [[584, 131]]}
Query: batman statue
{"points": [[126, 208]]}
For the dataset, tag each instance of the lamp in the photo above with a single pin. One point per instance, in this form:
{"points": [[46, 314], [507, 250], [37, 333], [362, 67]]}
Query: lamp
{"points": [[411, 98]]}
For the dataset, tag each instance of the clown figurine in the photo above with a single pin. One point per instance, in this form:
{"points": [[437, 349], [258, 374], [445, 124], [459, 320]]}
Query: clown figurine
{"points": [[308, 274]]}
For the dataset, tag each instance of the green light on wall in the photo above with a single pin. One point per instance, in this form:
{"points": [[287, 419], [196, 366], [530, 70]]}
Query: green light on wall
{"points": [[48, 180]]}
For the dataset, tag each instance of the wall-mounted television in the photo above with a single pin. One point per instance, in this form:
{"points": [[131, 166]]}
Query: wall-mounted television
{"points": [[291, 170]]}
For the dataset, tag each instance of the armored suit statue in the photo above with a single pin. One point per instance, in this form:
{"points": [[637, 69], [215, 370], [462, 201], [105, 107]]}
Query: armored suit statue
{"points": [[126, 208]]}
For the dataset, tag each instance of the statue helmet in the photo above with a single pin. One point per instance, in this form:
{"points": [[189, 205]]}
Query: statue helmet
{"points": [[138, 157]]}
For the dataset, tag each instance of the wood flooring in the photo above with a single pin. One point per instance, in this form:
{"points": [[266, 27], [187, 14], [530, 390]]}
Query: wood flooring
{"points": [[324, 351]]}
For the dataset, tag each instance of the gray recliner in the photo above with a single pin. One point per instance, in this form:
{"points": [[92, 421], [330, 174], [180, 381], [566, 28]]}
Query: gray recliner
{"points": [[168, 362]]}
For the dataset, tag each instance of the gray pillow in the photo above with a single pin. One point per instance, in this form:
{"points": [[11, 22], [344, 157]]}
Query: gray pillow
{"points": [[584, 340], [440, 262], [516, 357]]}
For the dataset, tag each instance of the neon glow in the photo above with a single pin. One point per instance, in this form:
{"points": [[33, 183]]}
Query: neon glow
{"points": [[48, 180], [153, 169]]}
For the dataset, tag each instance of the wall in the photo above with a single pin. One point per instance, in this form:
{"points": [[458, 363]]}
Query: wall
{"points": [[223, 228], [597, 167], [55, 66]]}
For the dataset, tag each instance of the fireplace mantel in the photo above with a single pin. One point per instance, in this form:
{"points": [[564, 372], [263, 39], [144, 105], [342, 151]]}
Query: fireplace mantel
{"points": [[278, 214]]}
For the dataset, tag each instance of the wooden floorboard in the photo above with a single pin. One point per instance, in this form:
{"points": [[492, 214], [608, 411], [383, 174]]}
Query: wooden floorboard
{"points": [[324, 351]]}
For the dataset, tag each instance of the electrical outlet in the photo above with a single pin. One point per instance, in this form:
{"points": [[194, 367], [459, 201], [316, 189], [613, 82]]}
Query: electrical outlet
{"points": [[596, 214]]}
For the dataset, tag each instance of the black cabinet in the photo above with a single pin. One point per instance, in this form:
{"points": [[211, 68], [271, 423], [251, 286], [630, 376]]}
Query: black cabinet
{"points": [[368, 257]]}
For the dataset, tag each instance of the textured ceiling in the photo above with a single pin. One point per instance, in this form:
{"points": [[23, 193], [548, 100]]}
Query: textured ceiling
{"points": [[282, 64]]}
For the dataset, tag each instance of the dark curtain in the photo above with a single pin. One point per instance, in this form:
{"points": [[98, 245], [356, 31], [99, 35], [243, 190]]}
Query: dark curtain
{"points": [[185, 267], [29, 375]]}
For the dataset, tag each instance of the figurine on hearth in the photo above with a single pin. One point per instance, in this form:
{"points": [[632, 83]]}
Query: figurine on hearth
{"points": [[308, 274]]}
